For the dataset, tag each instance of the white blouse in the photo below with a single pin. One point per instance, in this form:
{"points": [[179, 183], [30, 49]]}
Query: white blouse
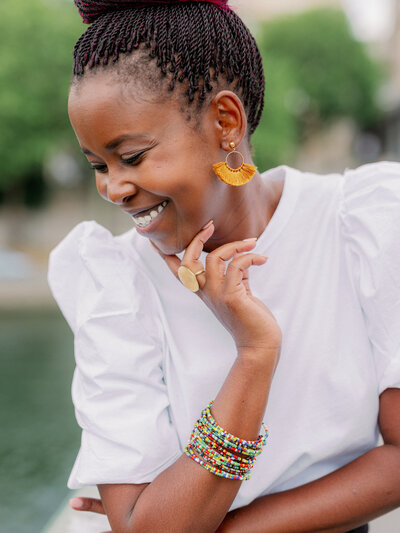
{"points": [[150, 355]]}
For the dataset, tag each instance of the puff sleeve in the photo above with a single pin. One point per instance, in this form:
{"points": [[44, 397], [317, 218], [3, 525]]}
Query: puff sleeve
{"points": [[370, 221], [118, 389]]}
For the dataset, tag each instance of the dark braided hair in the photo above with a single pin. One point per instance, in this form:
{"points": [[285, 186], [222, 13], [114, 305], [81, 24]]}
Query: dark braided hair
{"points": [[199, 41]]}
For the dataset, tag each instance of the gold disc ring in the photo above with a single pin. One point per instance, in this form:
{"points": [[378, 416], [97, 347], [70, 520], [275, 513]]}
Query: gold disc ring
{"points": [[189, 278]]}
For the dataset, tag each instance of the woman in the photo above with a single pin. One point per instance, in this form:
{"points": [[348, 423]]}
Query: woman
{"points": [[162, 92]]}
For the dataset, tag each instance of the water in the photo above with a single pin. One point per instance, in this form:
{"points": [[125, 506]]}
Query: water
{"points": [[38, 433]]}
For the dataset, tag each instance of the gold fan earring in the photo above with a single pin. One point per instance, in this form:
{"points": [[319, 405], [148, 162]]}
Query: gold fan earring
{"points": [[234, 176]]}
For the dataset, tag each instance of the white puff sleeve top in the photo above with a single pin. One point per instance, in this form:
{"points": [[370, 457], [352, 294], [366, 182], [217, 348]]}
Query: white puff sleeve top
{"points": [[150, 355], [370, 216], [118, 389]]}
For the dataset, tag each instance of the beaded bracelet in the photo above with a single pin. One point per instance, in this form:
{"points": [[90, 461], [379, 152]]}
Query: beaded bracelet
{"points": [[220, 452], [232, 456], [213, 470], [216, 456], [215, 441], [225, 436]]}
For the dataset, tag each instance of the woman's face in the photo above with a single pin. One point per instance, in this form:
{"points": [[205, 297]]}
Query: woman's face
{"points": [[145, 154]]}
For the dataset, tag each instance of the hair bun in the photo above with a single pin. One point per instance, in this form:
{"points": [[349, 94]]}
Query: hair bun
{"points": [[90, 10]]}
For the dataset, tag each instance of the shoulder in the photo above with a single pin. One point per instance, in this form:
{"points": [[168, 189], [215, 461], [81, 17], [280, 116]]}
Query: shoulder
{"points": [[375, 183], [370, 206], [92, 272]]}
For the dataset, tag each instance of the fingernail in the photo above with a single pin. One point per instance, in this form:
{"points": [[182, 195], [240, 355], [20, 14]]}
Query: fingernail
{"points": [[76, 502], [251, 239], [207, 225]]}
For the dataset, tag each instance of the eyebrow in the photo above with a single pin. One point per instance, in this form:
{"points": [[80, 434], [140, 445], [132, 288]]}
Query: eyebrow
{"points": [[112, 145]]}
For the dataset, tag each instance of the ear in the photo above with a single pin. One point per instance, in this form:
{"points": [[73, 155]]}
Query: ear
{"points": [[229, 118]]}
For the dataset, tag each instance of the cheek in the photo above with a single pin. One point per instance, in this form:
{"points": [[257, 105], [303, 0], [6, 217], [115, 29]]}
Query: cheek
{"points": [[100, 186]]}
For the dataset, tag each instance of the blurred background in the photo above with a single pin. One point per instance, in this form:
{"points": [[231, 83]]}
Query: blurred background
{"points": [[332, 102]]}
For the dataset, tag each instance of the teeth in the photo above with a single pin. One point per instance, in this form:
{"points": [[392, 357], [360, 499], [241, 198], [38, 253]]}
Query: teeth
{"points": [[145, 221]]}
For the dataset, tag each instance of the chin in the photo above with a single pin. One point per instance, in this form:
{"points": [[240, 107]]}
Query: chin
{"points": [[173, 247], [169, 248]]}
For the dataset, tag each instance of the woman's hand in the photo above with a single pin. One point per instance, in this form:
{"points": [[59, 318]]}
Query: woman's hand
{"points": [[87, 504], [226, 290], [93, 505]]}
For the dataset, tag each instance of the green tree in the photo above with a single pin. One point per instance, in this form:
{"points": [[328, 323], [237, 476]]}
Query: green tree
{"points": [[328, 74], [36, 42]]}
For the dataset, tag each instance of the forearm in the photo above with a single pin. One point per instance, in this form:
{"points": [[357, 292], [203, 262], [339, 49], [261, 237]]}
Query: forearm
{"points": [[189, 498], [349, 497]]}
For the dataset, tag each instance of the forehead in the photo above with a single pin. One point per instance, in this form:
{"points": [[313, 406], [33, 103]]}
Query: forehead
{"points": [[100, 99], [103, 106]]}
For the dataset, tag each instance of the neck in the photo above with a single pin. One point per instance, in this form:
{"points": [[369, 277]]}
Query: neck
{"points": [[245, 211]]}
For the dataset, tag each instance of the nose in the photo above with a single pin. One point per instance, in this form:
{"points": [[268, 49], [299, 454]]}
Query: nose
{"points": [[120, 188]]}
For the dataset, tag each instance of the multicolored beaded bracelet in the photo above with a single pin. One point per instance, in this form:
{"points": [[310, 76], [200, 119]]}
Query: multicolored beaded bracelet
{"points": [[220, 452], [224, 435], [212, 469], [231, 457], [215, 441], [219, 459]]}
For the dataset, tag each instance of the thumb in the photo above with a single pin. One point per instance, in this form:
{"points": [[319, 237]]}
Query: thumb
{"points": [[87, 504]]}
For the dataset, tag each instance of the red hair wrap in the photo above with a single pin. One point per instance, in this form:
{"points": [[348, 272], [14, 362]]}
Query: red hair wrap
{"points": [[90, 10]]}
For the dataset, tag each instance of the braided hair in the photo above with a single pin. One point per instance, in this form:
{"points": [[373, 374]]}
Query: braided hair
{"points": [[193, 41]]}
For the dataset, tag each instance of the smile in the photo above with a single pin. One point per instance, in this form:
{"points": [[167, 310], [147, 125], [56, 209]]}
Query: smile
{"points": [[146, 219]]}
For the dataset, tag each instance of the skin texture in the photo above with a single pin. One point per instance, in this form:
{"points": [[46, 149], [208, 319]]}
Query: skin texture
{"points": [[177, 166]]}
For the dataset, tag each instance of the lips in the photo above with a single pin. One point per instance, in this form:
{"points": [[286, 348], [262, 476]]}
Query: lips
{"points": [[143, 220], [142, 210]]}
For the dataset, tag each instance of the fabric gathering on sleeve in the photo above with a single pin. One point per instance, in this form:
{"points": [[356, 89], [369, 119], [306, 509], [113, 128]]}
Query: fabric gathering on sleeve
{"points": [[370, 221], [118, 389]]}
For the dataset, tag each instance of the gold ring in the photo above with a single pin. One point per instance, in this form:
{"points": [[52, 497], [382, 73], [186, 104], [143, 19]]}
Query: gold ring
{"points": [[189, 278]]}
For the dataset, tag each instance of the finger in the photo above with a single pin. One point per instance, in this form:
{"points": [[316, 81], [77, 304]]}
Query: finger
{"points": [[236, 271], [245, 279], [192, 253], [196, 246], [215, 261], [227, 251], [87, 504]]}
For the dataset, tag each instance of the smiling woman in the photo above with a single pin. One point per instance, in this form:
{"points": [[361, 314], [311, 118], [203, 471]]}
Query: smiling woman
{"points": [[176, 373]]}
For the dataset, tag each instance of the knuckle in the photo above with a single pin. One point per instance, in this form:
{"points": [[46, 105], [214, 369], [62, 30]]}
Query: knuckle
{"points": [[233, 266], [210, 259], [90, 505], [229, 299]]}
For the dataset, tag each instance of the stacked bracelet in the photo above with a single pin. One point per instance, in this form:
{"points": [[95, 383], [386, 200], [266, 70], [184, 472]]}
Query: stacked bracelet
{"points": [[220, 452]]}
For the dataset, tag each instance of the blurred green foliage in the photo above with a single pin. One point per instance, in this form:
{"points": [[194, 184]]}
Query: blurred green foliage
{"points": [[315, 71], [36, 42]]}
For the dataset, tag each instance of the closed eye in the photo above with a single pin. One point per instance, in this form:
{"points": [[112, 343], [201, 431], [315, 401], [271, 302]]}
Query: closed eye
{"points": [[135, 159]]}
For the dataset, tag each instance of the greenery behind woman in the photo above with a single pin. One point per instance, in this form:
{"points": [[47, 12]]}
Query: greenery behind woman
{"points": [[148, 145]]}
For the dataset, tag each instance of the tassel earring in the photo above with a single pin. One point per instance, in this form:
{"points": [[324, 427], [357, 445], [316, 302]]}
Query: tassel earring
{"points": [[234, 176]]}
